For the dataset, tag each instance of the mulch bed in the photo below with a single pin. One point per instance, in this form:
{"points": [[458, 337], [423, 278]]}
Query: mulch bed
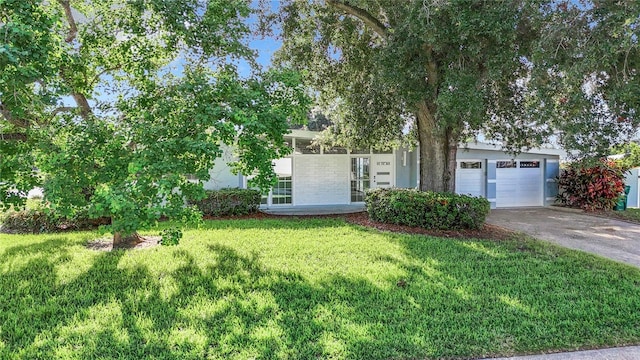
{"points": [[488, 231]]}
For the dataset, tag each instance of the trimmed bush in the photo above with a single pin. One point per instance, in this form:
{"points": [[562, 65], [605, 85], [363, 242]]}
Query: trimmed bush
{"points": [[591, 187], [225, 202], [426, 209], [41, 220], [30, 221]]}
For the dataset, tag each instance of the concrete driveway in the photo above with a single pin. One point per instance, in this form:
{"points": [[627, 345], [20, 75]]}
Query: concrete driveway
{"points": [[613, 239]]}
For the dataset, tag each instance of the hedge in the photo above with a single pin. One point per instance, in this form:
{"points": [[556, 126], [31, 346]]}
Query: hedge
{"points": [[426, 209], [225, 202], [42, 220]]}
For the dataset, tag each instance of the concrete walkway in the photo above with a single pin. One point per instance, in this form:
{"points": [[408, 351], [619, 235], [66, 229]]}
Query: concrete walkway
{"points": [[623, 353], [313, 209], [613, 239]]}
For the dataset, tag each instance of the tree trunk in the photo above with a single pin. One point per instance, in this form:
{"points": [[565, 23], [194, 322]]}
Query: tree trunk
{"points": [[438, 149], [121, 240]]}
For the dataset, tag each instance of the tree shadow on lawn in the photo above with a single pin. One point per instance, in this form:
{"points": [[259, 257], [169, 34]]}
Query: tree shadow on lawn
{"points": [[456, 299]]}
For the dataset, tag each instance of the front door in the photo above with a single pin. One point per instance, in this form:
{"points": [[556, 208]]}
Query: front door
{"points": [[382, 170]]}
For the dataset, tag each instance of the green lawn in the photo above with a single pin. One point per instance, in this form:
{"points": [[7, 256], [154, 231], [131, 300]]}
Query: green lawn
{"points": [[632, 215], [307, 289]]}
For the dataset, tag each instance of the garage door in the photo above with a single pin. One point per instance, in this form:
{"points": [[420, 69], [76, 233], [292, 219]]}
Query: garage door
{"points": [[518, 183], [470, 177]]}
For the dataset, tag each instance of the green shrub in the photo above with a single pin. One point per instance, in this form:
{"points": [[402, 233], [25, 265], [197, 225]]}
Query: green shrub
{"points": [[37, 218], [430, 210], [225, 202], [27, 221], [591, 187]]}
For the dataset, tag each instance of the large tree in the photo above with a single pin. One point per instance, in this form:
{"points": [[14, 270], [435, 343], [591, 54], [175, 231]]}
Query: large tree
{"points": [[110, 105], [519, 71]]}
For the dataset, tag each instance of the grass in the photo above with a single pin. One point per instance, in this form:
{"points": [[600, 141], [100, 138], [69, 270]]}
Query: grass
{"points": [[308, 289], [632, 215]]}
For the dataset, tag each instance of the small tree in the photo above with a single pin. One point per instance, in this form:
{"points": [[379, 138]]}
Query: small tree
{"points": [[631, 152], [592, 186], [89, 98]]}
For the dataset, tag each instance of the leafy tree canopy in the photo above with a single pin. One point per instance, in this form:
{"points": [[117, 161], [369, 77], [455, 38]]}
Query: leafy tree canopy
{"points": [[520, 73], [109, 105], [630, 153]]}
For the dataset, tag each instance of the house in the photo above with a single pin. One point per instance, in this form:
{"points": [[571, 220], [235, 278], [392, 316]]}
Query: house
{"points": [[315, 176], [632, 180]]}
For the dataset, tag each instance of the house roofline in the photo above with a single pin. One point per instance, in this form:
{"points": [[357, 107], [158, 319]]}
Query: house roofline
{"points": [[474, 145]]}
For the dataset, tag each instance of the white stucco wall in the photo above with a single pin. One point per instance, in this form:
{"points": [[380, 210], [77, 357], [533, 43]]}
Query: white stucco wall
{"points": [[321, 180], [221, 176]]}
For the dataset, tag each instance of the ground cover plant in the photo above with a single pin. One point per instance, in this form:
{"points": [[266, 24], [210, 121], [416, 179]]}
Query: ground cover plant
{"points": [[308, 289]]}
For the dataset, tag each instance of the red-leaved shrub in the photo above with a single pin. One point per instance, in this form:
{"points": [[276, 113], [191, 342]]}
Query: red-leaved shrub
{"points": [[592, 187]]}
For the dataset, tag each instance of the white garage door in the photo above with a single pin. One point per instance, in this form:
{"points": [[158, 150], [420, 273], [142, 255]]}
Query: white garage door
{"points": [[470, 177], [518, 183]]}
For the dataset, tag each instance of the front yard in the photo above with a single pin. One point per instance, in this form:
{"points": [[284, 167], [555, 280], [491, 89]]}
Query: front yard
{"points": [[308, 289]]}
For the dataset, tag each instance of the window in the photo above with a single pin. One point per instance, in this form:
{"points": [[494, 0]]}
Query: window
{"points": [[360, 151], [335, 150], [529, 164], [303, 146], [281, 193], [471, 165], [505, 164], [390, 151], [359, 178]]}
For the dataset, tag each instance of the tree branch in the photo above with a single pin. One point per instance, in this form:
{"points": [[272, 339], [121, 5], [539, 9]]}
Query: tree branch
{"points": [[73, 28], [13, 137], [6, 114], [97, 77], [62, 109], [363, 15]]}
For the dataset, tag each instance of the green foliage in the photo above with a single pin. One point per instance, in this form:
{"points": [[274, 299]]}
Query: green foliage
{"points": [[30, 221], [226, 202], [308, 289], [631, 215], [631, 152], [170, 236], [538, 71], [38, 218], [592, 186], [157, 96], [445, 211]]}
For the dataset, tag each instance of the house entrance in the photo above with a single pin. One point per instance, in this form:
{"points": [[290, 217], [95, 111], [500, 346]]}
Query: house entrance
{"points": [[375, 171], [360, 180]]}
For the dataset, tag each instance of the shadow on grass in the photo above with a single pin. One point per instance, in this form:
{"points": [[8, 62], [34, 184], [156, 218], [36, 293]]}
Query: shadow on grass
{"points": [[454, 299]]}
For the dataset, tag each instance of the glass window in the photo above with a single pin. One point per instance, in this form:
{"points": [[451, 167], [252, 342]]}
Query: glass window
{"points": [[529, 164], [505, 164], [390, 151], [303, 146], [335, 150], [471, 165], [360, 151], [359, 178], [281, 193]]}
